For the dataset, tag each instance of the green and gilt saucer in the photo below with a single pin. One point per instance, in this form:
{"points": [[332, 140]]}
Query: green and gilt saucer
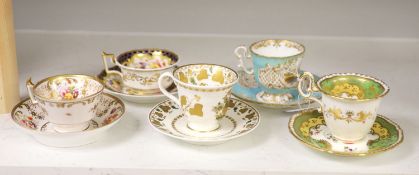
{"points": [[309, 127]]}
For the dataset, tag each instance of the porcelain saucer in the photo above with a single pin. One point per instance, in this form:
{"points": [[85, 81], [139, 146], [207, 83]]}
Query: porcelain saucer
{"points": [[113, 85], [30, 118], [240, 119], [309, 128], [248, 90]]}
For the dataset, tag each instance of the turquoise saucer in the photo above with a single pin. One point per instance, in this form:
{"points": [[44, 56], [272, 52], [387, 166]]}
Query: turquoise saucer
{"points": [[248, 90]]}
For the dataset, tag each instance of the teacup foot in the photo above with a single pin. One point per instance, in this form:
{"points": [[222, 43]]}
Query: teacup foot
{"points": [[203, 128], [133, 91], [274, 98], [71, 128], [346, 141]]}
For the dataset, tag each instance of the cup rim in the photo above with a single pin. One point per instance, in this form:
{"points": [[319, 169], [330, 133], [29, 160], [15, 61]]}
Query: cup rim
{"points": [[205, 87], [69, 75], [384, 85], [146, 70], [286, 40]]}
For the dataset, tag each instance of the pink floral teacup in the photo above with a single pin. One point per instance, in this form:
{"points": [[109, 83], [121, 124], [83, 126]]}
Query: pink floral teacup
{"points": [[69, 101]]}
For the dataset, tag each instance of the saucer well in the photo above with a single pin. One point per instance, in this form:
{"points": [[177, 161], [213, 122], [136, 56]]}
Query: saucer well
{"points": [[248, 90], [31, 119], [309, 127], [113, 85], [240, 119]]}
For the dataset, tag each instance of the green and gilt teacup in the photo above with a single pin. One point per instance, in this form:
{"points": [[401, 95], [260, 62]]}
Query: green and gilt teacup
{"points": [[349, 102]]}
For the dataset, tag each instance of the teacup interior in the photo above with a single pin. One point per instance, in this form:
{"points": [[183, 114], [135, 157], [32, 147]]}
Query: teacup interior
{"points": [[352, 87], [147, 58], [205, 75], [68, 87], [277, 48]]}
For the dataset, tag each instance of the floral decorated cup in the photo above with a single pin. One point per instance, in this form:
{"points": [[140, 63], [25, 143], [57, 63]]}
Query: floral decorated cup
{"points": [[137, 77], [349, 102], [69, 101], [204, 91], [275, 64]]}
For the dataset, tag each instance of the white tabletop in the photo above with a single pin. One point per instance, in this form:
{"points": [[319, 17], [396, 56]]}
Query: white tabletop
{"points": [[134, 147]]}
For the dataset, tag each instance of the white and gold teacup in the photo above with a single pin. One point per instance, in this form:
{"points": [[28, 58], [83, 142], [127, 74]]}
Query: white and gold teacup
{"points": [[140, 78], [204, 91], [349, 102], [68, 101]]}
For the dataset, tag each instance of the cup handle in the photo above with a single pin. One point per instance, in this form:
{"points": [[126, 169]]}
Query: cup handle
{"points": [[308, 93], [112, 57], [29, 86], [163, 89], [241, 53]]}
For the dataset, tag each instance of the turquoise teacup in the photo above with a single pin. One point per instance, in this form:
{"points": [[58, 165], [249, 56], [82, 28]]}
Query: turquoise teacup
{"points": [[275, 64]]}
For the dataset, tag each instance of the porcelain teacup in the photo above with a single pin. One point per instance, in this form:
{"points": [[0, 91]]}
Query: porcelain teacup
{"points": [[134, 74], [349, 102], [204, 91], [68, 101], [275, 64]]}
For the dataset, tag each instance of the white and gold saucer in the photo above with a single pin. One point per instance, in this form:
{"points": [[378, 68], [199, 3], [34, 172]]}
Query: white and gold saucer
{"points": [[240, 119], [309, 127], [31, 118], [247, 89], [113, 85]]}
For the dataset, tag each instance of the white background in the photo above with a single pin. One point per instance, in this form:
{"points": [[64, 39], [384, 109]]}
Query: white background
{"points": [[375, 37]]}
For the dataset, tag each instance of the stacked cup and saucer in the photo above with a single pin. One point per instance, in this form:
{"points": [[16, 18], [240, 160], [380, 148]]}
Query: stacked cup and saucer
{"points": [[67, 110], [134, 78], [272, 82], [203, 112], [347, 122]]}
